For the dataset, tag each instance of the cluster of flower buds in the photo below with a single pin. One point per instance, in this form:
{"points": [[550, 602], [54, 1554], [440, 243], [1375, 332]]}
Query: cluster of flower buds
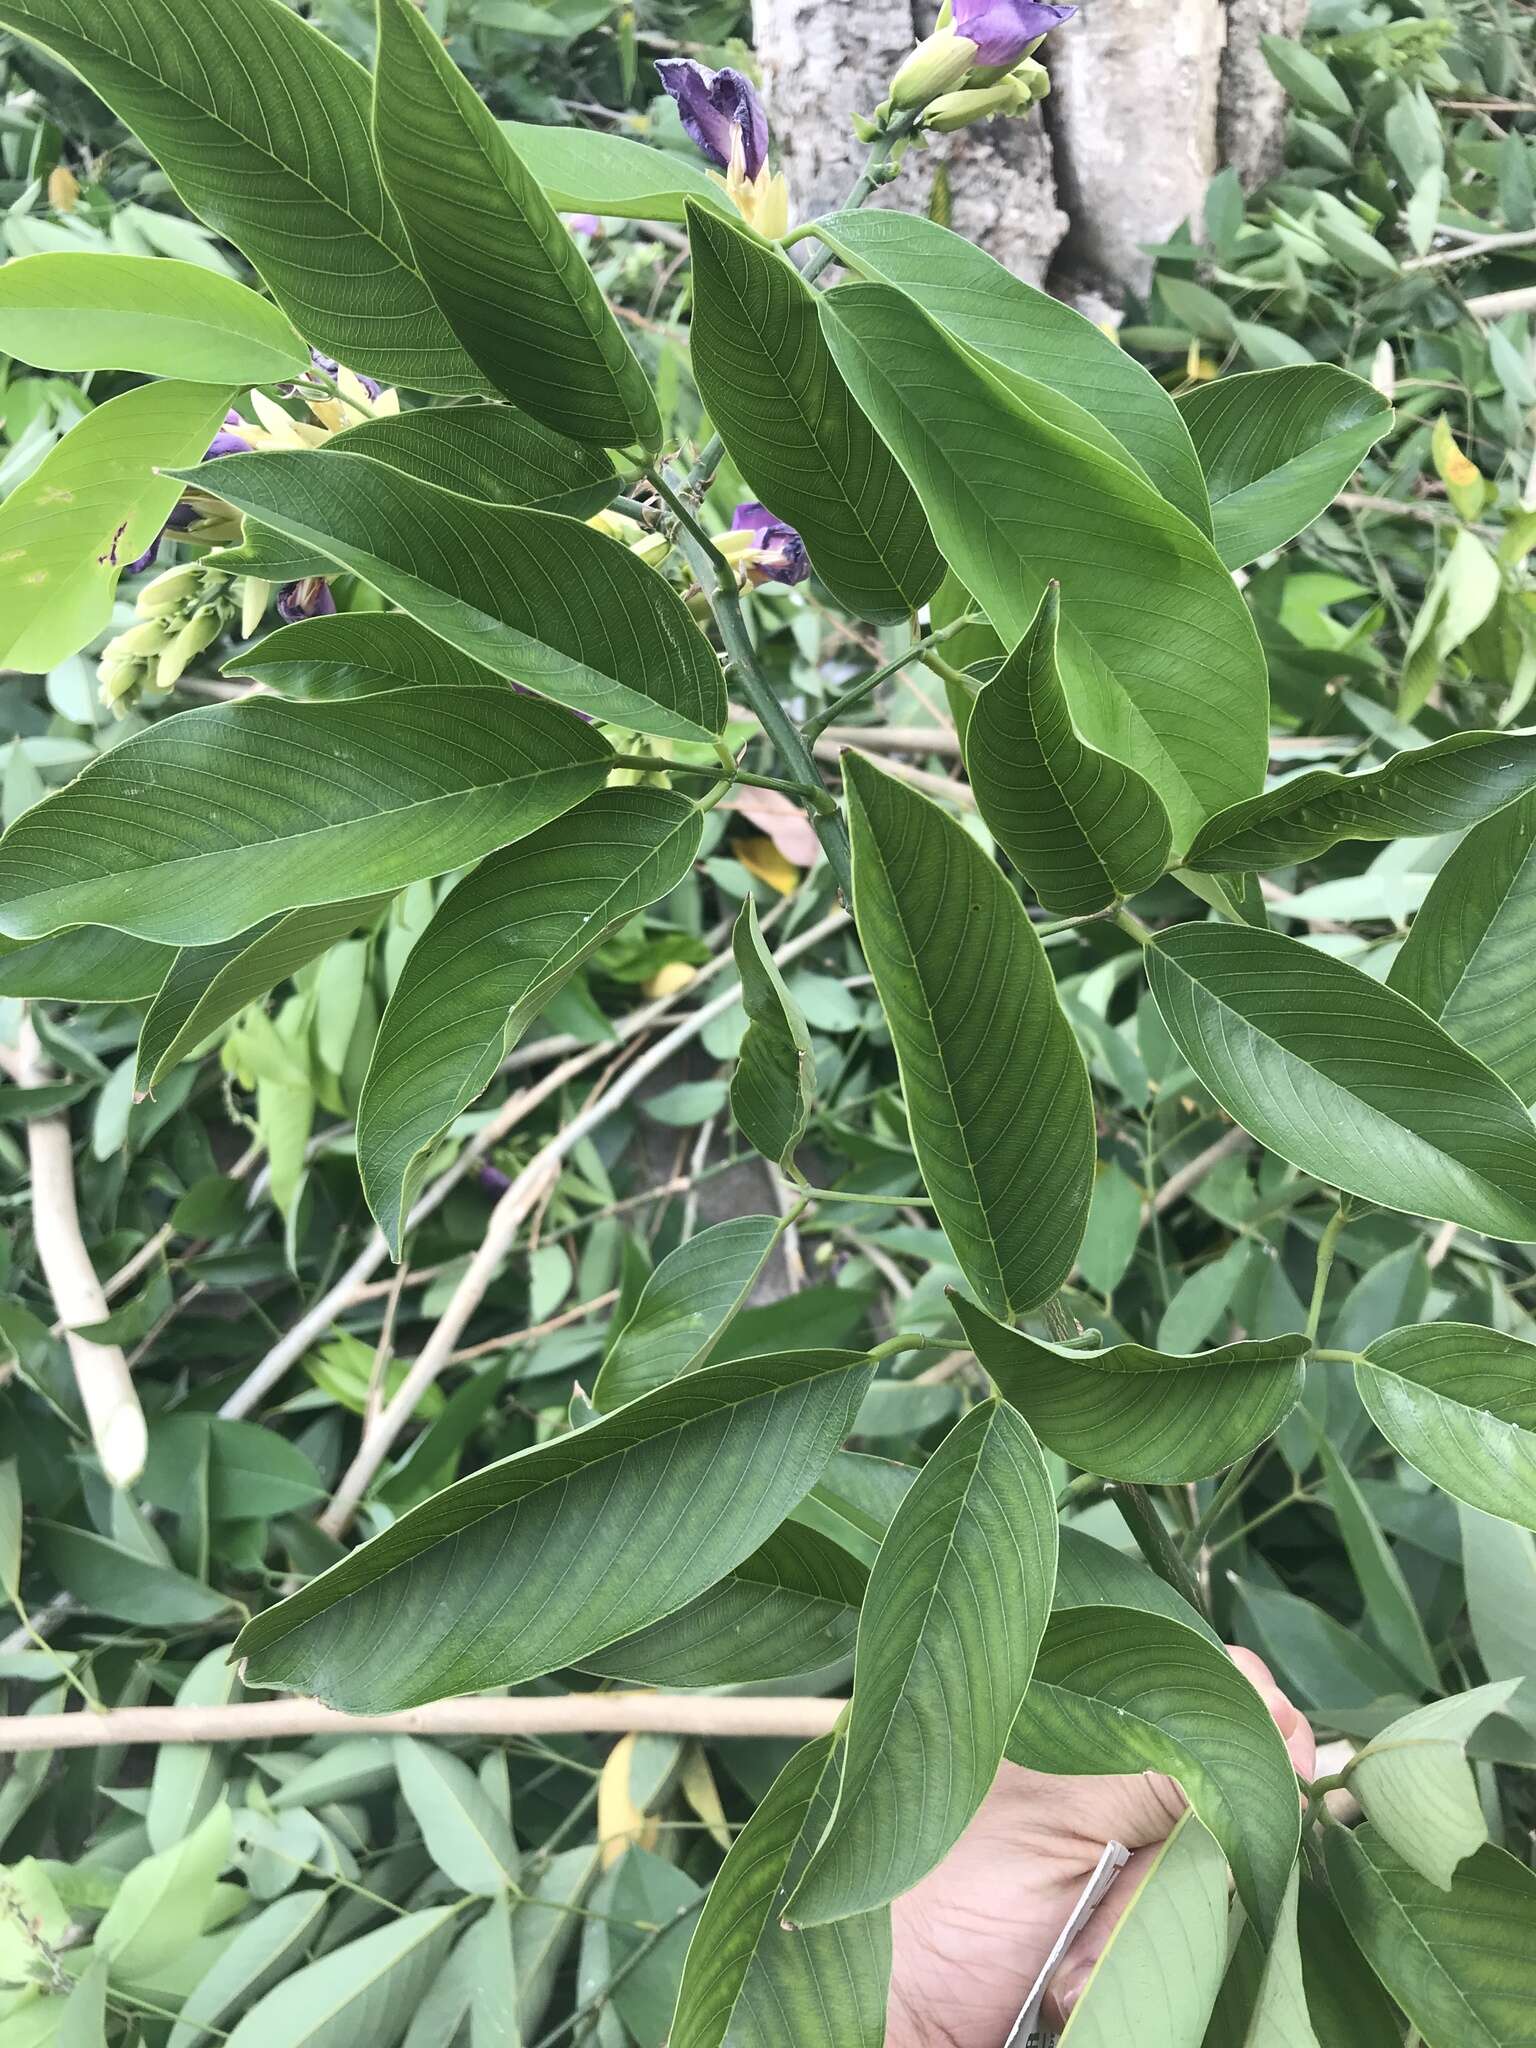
{"points": [[721, 112], [979, 62], [181, 612]]}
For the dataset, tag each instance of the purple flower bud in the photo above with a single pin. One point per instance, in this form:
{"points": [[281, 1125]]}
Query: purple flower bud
{"points": [[712, 104], [226, 443], [1003, 30], [781, 551], [493, 1180], [310, 599], [584, 224], [330, 366]]}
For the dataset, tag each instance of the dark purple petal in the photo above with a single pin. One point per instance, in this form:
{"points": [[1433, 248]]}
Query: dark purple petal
{"points": [[310, 599], [182, 516], [330, 366], [226, 443], [493, 1180], [781, 551], [750, 517], [712, 104], [1003, 30]]}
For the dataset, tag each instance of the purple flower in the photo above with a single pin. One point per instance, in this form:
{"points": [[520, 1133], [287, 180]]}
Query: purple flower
{"points": [[310, 599], [370, 384], [148, 559], [228, 440], [780, 550], [584, 224], [713, 104], [1003, 30]]}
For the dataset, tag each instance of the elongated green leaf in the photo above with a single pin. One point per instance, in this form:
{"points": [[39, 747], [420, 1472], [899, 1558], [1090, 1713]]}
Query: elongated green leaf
{"points": [[1090, 1573], [510, 281], [107, 1578], [1116, 1691], [956, 1605], [1459, 1403], [990, 310], [1461, 1964], [1345, 2002], [1279, 2017], [1158, 1976], [264, 806], [780, 404], [1160, 660], [502, 943], [1499, 1561], [259, 1956], [775, 1079], [1146, 1416], [1417, 1788], [1002, 1118], [1277, 446], [747, 1982], [1080, 827], [1345, 1078], [210, 984], [1391, 1613], [467, 1837], [282, 174], [535, 597], [366, 1990], [1444, 787], [89, 508], [162, 1897], [490, 452], [792, 1606], [684, 1308], [545, 1558], [1470, 957], [188, 1778], [355, 654], [95, 311], [584, 170], [87, 965], [544, 1926], [248, 1473]]}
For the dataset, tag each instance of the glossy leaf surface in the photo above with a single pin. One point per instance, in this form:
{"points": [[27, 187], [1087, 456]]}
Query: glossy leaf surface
{"points": [[1459, 1403], [684, 1308], [355, 654], [1417, 1788], [87, 965]]}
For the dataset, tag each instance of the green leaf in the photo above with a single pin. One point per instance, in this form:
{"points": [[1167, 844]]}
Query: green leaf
{"points": [[1391, 1614], [465, 1835], [1130, 1413], [95, 311], [87, 965], [511, 283], [1306, 77], [996, 1089], [489, 452], [1160, 1971], [1025, 330], [1117, 1691], [685, 1307], [748, 1982], [83, 2020], [1090, 1573], [366, 1990], [1345, 1078], [584, 170], [266, 806], [1347, 2005], [1277, 446], [502, 943], [188, 1777], [1459, 1403], [1470, 957], [259, 1956], [107, 1578], [1444, 787], [1417, 1788], [10, 1532], [1081, 827], [1500, 1565], [535, 597], [207, 985], [1462, 1964], [355, 654], [544, 1926], [253, 1473], [792, 1606], [159, 1905], [1280, 2018], [1160, 660], [90, 507], [774, 1084], [601, 1533], [282, 173], [779, 403], [956, 1605]]}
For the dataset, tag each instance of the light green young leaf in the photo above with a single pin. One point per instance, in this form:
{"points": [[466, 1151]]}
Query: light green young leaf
{"points": [[92, 505], [1463, 592], [262, 1954], [504, 940], [366, 1990], [1280, 2018], [603, 1532], [1417, 1788], [956, 1605], [544, 1925], [996, 1088], [747, 1980], [493, 2005], [536, 597], [188, 1778], [1081, 827], [1459, 1403], [1306, 77], [334, 801], [1499, 1561], [685, 1308], [587, 170], [163, 318], [10, 1531], [468, 1840], [160, 1904], [1134, 1414], [281, 174], [779, 402], [775, 1079], [1277, 446], [511, 283], [83, 2020], [1333, 1071]]}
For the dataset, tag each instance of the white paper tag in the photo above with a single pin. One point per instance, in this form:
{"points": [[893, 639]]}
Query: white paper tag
{"points": [[1029, 2029]]}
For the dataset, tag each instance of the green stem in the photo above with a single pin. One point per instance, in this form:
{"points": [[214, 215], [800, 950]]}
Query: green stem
{"points": [[1154, 1542], [856, 692], [1129, 922], [817, 797], [878, 170], [907, 1340], [1225, 1495], [1327, 1245]]}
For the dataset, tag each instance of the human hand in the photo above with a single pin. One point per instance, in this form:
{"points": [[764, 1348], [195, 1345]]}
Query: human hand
{"points": [[970, 1940]]}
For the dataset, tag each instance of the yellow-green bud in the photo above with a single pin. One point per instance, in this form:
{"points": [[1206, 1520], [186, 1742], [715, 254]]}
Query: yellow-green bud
{"points": [[954, 110], [200, 631], [936, 66], [169, 590], [1033, 78], [253, 604], [139, 641], [652, 550]]}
